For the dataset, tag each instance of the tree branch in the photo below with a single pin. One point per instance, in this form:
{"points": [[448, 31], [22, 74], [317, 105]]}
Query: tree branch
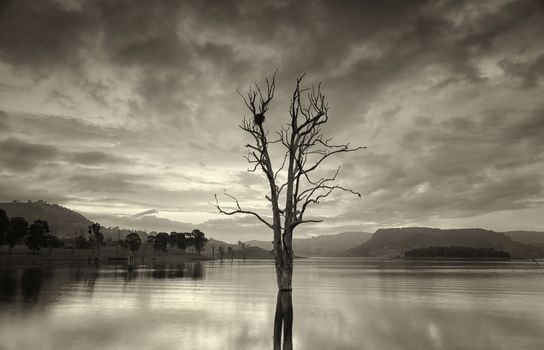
{"points": [[239, 210]]}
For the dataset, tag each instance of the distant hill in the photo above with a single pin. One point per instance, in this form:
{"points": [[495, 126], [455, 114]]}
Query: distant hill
{"points": [[323, 245], [393, 242], [62, 221], [535, 238], [261, 244], [254, 253]]}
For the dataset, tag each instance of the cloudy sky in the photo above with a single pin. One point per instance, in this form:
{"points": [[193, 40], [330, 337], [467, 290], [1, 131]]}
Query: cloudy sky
{"points": [[127, 111]]}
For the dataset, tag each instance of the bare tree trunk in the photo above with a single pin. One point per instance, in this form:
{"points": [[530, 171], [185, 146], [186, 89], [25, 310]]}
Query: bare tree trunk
{"points": [[284, 261], [285, 276], [282, 257]]}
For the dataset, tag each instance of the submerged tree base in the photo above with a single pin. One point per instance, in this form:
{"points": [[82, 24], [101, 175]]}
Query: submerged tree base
{"points": [[283, 319]]}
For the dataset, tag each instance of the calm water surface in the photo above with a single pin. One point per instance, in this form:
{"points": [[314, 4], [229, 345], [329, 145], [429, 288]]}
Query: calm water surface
{"points": [[337, 304]]}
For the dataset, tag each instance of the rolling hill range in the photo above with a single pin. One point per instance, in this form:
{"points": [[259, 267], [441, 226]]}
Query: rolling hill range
{"points": [[389, 242], [63, 222], [393, 242], [535, 238], [324, 245]]}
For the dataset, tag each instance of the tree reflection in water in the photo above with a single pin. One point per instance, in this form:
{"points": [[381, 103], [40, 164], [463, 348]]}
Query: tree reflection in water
{"points": [[8, 285], [283, 317], [31, 284], [198, 271], [194, 270]]}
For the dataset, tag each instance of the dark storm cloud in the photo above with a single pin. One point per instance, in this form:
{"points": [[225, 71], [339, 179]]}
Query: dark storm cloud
{"points": [[19, 155], [41, 35], [456, 168], [4, 127], [423, 36], [502, 140], [61, 98], [95, 158], [159, 34], [111, 187], [98, 90], [528, 73], [169, 41], [59, 128], [142, 33], [11, 87], [12, 188], [104, 182]]}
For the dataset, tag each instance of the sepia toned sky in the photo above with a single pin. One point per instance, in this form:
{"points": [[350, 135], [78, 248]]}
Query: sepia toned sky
{"points": [[127, 111]]}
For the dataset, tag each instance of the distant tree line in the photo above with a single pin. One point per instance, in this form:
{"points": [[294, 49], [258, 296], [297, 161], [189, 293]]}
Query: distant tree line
{"points": [[36, 235], [242, 251], [456, 252], [195, 240]]}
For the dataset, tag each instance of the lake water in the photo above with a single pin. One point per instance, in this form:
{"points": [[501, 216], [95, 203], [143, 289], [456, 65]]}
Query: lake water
{"points": [[337, 304]]}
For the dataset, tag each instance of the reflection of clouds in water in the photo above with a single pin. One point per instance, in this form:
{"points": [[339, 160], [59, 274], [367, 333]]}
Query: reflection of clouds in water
{"points": [[338, 305], [420, 309], [147, 313]]}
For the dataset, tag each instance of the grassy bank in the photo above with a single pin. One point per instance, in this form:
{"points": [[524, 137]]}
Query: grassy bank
{"points": [[21, 255]]}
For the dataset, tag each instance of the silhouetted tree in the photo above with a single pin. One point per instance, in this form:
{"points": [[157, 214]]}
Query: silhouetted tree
{"points": [[172, 239], [131, 243], [179, 240], [53, 242], [213, 248], [161, 242], [81, 243], [190, 242], [38, 234], [294, 184], [17, 229], [4, 225], [242, 246], [96, 238], [199, 240]]}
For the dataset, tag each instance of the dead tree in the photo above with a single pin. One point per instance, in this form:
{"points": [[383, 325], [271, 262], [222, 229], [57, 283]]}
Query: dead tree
{"points": [[294, 184]]}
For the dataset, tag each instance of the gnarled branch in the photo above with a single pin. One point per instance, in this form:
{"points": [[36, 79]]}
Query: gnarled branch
{"points": [[238, 210]]}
